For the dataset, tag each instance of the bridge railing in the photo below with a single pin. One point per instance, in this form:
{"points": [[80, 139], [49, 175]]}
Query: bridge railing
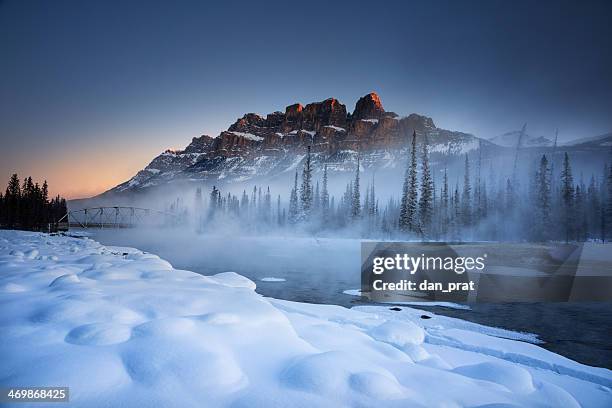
{"points": [[116, 217]]}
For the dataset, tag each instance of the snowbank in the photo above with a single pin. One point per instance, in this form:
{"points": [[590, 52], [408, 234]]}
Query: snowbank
{"points": [[123, 328]]}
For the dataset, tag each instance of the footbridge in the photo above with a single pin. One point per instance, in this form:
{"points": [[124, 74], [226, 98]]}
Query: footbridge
{"points": [[115, 217]]}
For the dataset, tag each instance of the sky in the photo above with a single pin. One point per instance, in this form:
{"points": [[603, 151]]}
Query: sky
{"points": [[91, 91]]}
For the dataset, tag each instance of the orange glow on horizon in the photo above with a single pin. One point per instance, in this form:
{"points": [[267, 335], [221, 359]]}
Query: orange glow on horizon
{"points": [[77, 174]]}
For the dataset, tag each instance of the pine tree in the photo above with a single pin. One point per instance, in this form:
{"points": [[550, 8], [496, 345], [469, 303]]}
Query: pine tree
{"points": [[306, 189], [325, 198], [580, 213], [244, 204], [444, 205], [408, 208], [267, 206], [373, 202], [198, 207], [293, 202], [466, 204], [567, 197], [543, 201], [12, 198], [43, 204], [509, 198], [426, 197], [254, 201], [456, 214], [356, 197], [214, 204]]}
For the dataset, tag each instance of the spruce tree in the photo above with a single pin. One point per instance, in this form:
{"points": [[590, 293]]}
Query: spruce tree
{"points": [[267, 206], [456, 215], [214, 203], [293, 202], [325, 198], [408, 208], [466, 204], [444, 205], [580, 213], [543, 201], [426, 197], [356, 196], [484, 201], [567, 197], [13, 201], [306, 189], [509, 198], [244, 204], [198, 208], [254, 201]]}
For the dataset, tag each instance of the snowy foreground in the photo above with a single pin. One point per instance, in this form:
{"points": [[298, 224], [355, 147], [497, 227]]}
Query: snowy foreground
{"points": [[123, 328]]}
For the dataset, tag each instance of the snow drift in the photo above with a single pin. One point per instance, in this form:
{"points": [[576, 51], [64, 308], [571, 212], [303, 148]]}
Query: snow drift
{"points": [[123, 328]]}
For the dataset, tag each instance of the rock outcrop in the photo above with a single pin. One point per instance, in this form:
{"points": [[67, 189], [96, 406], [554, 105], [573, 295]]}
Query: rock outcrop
{"points": [[368, 107], [255, 144]]}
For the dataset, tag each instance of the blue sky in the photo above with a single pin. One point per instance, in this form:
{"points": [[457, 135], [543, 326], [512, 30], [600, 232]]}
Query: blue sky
{"points": [[91, 91]]}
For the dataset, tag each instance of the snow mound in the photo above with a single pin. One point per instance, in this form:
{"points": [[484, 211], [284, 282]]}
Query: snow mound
{"points": [[124, 328], [399, 334], [65, 279], [337, 372], [234, 280], [99, 334], [513, 377]]}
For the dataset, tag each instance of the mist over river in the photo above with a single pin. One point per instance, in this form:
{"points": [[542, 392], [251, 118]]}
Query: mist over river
{"points": [[319, 270]]}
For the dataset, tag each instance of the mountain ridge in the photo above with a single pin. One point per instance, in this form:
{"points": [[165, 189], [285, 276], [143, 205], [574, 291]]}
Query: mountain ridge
{"points": [[274, 145], [256, 145]]}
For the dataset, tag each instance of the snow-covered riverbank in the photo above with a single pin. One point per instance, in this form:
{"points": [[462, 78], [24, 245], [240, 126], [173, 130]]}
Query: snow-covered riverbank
{"points": [[123, 328]]}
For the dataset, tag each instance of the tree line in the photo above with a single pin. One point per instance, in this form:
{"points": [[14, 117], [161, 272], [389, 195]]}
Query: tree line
{"points": [[551, 206], [27, 206]]}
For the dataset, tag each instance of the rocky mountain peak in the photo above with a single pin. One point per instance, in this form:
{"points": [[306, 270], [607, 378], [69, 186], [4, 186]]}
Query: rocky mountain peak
{"points": [[248, 120], [199, 144], [328, 112], [420, 123], [293, 110], [368, 107], [255, 145]]}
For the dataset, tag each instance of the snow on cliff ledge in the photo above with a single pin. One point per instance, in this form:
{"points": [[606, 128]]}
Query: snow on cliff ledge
{"points": [[123, 328]]}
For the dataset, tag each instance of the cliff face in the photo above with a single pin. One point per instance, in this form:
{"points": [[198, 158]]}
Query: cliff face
{"points": [[325, 126], [263, 146]]}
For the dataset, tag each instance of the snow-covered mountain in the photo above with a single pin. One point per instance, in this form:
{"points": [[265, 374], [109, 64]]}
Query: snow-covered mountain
{"points": [[510, 139], [257, 146], [267, 149], [601, 141]]}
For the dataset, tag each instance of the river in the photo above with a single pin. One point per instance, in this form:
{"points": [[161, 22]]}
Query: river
{"points": [[319, 270]]}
